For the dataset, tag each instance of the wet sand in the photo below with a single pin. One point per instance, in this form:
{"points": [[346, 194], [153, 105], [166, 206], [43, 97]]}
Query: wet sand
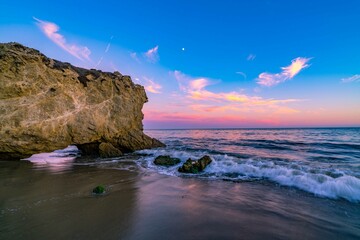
{"points": [[140, 204]]}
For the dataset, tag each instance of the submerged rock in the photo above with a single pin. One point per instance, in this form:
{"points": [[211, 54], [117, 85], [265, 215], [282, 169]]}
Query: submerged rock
{"points": [[193, 166], [166, 161], [99, 189], [47, 105]]}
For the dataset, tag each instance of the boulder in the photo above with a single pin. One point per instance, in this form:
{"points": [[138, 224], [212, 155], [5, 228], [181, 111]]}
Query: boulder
{"points": [[166, 160], [47, 105], [195, 166]]}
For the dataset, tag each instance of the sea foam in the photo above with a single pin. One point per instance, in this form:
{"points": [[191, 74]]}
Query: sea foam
{"points": [[329, 183]]}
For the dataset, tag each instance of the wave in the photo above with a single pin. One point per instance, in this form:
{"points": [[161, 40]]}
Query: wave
{"points": [[324, 182]]}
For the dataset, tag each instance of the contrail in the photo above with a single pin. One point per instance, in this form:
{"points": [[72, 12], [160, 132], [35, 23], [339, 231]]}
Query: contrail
{"points": [[106, 50]]}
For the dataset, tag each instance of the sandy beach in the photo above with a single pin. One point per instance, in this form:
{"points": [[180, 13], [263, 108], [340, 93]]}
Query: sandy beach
{"points": [[39, 203]]}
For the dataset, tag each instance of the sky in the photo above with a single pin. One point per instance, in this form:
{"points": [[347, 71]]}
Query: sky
{"points": [[210, 64]]}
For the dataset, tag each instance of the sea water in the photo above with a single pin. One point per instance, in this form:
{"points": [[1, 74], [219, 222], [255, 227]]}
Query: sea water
{"points": [[321, 161]]}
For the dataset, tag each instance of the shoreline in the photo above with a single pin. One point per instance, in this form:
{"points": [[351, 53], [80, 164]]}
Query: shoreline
{"points": [[142, 204]]}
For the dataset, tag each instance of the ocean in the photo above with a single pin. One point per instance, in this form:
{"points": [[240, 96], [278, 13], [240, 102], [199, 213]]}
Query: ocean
{"points": [[261, 184], [324, 162]]}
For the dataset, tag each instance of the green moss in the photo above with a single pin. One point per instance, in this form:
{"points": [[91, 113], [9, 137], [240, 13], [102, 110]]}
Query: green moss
{"points": [[99, 189], [195, 166]]}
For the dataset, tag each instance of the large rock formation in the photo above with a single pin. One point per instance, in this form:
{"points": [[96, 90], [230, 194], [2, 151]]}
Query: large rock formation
{"points": [[46, 105]]}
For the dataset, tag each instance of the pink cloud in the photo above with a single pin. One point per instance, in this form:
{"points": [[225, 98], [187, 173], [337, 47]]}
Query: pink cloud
{"points": [[152, 54], [195, 89], [151, 86], [51, 31], [159, 119], [198, 84], [271, 79]]}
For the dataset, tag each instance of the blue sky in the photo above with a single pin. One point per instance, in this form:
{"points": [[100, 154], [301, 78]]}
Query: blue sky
{"points": [[261, 63]]}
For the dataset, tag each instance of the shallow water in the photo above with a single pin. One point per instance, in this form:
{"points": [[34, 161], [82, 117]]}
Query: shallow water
{"points": [[262, 184], [37, 203]]}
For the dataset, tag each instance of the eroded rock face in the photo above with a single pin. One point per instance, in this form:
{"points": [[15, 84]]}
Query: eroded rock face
{"points": [[46, 105]]}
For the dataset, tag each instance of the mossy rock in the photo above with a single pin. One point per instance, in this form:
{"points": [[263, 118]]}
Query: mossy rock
{"points": [[99, 189], [195, 166], [163, 160]]}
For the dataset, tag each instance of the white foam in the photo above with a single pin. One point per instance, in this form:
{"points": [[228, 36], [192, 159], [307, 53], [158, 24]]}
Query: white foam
{"points": [[56, 161], [293, 174], [345, 186]]}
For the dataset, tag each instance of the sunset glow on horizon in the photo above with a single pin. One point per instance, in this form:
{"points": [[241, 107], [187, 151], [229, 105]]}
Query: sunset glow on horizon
{"points": [[206, 65]]}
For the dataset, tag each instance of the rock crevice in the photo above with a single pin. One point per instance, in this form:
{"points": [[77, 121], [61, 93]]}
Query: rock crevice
{"points": [[46, 105]]}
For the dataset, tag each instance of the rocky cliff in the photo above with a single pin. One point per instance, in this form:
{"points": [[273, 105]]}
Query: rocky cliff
{"points": [[46, 105]]}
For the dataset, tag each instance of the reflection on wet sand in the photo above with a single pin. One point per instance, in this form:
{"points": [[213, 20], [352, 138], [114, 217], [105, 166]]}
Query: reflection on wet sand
{"points": [[188, 208], [41, 205], [140, 204]]}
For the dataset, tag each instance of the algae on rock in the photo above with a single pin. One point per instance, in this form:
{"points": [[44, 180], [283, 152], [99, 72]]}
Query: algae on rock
{"points": [[193, 166]]}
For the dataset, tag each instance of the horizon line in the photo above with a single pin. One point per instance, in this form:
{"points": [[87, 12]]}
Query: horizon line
{"points": [[250, 128]]}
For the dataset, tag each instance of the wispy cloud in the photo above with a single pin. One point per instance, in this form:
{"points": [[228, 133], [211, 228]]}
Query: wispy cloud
{"points": [[106, 50], [271, 79], [195, 89], [134, 56], [251, 57], [152, 54], [242, 74], [99, 62], [51, 31], [208, 119], [109, 44], [355, 78], [151, 86]]}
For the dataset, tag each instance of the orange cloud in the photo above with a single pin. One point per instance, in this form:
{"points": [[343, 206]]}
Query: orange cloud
{"points": [[270, 79], [150, 85], [195, 89], [51, 31]]}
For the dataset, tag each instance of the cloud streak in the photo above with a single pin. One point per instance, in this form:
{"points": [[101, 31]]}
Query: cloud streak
{"points": [[106, 50], [355, 78], [242, 74], [51, 31], [272, 79], [109, 44], [152, 54], [251, 57], [195, 90], [151, 86]]}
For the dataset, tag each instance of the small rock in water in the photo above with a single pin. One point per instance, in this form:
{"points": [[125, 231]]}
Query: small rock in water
{"points": [[166, 160], [99, 189], [193, 166]]}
